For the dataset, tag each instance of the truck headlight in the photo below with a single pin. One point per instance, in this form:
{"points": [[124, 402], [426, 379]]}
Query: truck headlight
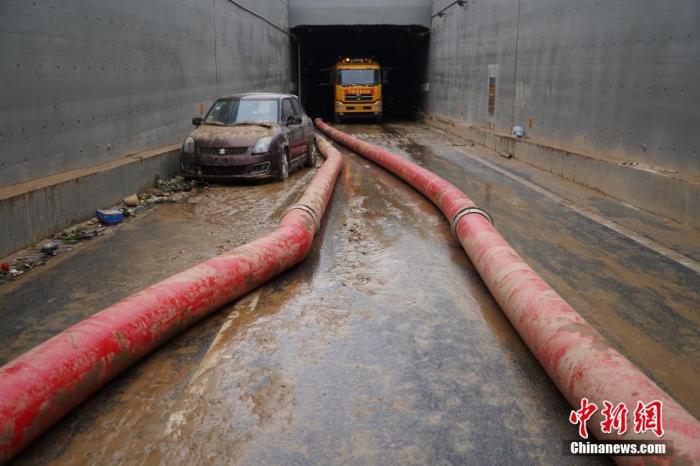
{"points": [[338, 105], [379, 105], [263, 145], [188, 146]]}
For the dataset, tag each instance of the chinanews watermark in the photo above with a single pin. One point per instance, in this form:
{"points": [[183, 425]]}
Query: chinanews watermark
{"points": [[646, 417]]}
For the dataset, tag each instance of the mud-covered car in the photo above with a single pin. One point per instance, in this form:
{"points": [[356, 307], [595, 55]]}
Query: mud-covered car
{"points": [[249, 136]]}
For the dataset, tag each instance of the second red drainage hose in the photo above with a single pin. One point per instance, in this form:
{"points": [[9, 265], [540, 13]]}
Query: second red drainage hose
{"points": [[578, 359]]}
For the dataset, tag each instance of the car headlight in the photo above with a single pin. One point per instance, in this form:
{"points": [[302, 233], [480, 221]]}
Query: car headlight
{"points": [[188, 146], [263, 145]]}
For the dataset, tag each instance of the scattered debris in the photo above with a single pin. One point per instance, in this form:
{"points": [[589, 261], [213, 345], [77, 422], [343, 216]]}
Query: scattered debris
{"points": [[132, 201], [131, 211], [50, 248], [518, 131], [9, 273], [110, 216], [80, 232], [174, 185], [30, 261], [157, 200], [172, 190]]}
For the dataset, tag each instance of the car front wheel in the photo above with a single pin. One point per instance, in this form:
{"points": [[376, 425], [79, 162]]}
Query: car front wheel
{"points": [[311, 156]]}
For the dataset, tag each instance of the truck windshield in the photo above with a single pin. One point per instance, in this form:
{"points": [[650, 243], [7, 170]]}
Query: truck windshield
{"points": [[367, 77], [235, 111]]}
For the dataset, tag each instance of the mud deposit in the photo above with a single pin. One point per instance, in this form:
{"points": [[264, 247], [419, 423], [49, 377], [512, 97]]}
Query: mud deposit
{"points": [[383, 347]]}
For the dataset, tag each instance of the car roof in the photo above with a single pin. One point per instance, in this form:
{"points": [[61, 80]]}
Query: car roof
{"points": [[258, 95]]}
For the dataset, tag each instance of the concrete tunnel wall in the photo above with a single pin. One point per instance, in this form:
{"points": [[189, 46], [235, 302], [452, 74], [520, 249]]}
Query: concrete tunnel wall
{"points": [[618, 78], [88, 82]]}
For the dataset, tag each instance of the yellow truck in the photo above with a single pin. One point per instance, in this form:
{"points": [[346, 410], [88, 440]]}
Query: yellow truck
{"points": [[357, 88]]}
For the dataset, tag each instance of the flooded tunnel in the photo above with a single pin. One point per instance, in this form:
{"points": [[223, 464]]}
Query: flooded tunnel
{"points": [[400, 50], [384, 345]]}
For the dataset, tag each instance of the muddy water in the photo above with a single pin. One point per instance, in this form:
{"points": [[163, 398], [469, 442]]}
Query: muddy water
{"points": [[142, 251], [644, 303], [383, 347]]}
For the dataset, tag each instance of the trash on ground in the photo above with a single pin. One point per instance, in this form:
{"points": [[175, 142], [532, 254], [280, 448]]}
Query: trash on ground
{"points": [[50, 248], [131, 211], [109, 216], [132, 201], [157, 200], [80, 232], [174, 185], [32, 260], [518, 131], [165, 191]]}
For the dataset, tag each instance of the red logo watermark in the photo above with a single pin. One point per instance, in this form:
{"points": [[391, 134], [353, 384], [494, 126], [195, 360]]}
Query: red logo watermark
{"points": [[615, 418], [647, 417]]}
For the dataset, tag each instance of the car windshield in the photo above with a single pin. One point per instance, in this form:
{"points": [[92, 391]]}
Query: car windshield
{"points": [[367, 77], [237, 111]]}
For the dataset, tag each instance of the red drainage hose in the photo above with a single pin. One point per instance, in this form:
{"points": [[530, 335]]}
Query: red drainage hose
{"points": [[42, 385], [578, 359]]}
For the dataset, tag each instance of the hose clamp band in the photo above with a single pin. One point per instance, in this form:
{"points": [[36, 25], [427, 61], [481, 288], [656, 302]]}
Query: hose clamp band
{"points": [[309, 210], [466, 211]]}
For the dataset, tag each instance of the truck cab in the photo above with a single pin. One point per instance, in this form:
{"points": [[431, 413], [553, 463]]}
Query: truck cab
{"points": [[357, 87]]}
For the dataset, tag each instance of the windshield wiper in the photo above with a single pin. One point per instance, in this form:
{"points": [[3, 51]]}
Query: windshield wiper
{"points": [[239, 123], [242, 123], [246, 122]]}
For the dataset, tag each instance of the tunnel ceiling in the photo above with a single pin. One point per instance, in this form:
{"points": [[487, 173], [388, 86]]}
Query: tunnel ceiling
{"points": [[367, 12]]}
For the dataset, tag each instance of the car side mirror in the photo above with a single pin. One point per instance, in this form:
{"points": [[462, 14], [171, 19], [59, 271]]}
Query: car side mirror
{"points": [[293, 120], [197, 121]]}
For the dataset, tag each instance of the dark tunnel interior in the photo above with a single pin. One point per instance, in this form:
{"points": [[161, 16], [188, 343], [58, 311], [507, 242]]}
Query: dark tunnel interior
{"points": [[402, 50]]}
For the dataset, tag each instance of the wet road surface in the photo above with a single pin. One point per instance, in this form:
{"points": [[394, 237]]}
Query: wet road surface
{"points": [[384, 346]]}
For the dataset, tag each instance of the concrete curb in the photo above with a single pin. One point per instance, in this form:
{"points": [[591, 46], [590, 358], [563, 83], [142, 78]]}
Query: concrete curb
{"points": [[670, 195], [35, 209]]}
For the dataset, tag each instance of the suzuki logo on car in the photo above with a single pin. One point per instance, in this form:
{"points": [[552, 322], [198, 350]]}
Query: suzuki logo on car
{"points": [[222, 151]]}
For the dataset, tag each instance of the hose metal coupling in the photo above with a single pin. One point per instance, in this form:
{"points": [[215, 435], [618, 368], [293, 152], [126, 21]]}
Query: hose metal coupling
{"points": [[309, 210], [466, 211]]}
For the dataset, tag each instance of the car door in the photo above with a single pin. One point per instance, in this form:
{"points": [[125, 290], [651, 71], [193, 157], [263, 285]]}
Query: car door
{"points": [[295, 131], [306, 124]]}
